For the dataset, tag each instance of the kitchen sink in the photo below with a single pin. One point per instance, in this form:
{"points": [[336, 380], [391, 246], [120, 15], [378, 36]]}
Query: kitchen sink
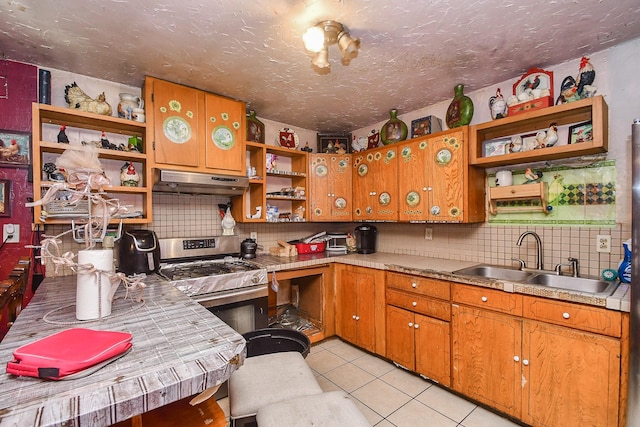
{"points": [[496, 272], [582, 284], [541, 278]]}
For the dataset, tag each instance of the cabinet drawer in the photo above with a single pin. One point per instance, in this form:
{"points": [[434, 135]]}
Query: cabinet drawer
{"points": [[422, 285], [420, 304], [488, 298], [577, 316]]}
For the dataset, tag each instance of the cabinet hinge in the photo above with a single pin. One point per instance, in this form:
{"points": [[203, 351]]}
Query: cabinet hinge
{"points": [[153, 146], [152, 97]]}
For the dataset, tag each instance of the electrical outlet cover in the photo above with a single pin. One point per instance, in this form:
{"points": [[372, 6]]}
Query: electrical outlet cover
{"points": [[603, 243]]}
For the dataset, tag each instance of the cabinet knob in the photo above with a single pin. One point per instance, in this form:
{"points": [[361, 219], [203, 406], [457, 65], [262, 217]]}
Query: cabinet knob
{"points": [[415, 303], [429, 188], [416, 326], [411, 324], [424, 188], [516, 358], [525, 362], [357, 317], [354, 317], [566, 315], [484, 299], [414, 285]]}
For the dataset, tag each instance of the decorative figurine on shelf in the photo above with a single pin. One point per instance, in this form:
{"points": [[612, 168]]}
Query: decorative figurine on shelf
{"points": [[62, 136], [548, 138], [228, 223], [581, 87], [460, 111], [331, 149], [128, 175], [532, 176], [515, 146], [394, 130], [53, 174], [340, 149], [76, 98], [359, 144], [373, 139], [498, 106], [306, 147]]}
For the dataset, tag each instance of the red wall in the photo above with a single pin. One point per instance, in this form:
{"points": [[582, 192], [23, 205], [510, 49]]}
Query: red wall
{"points": [[18, 89]]}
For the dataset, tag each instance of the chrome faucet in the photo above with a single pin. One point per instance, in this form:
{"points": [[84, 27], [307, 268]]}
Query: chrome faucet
{"points": [[573, 263], [539, 265]]}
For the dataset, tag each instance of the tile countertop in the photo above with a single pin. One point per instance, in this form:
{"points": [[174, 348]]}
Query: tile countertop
{"points": [[438, 268], [164, 365]]}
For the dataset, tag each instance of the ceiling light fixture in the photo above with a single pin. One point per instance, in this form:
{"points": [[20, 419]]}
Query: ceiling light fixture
{"points": [[318, 38]]}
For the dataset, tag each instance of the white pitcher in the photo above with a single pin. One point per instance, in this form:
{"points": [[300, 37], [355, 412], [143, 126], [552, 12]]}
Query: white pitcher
{"points": [[128, 103]]}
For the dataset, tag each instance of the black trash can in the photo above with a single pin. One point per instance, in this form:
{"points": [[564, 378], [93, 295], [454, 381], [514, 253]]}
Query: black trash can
{"points": [[275, 340]]}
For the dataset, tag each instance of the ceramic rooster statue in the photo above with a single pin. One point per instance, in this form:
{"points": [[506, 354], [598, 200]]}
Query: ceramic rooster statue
{"points": [[62, 136], [76, 98], [548, 138], [532, 176], [581, 87], [498, 106], [128, 175]]}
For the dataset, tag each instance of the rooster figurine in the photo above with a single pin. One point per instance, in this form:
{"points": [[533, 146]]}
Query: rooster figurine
{"points": [[128, 175], [548, 138], [498, 106], [62, 136], [532, 176], [76, 98], [581, 87]]}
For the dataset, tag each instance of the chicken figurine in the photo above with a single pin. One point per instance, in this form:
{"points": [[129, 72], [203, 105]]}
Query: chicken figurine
{"points": [[498, 106], [548, 138], [128, 175], [78, 99], [532, 176], [62, 136], [581, 87]]}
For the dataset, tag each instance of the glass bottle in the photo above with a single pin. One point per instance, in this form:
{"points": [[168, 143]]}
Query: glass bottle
{"points": [[394, 130], [460, 111]]}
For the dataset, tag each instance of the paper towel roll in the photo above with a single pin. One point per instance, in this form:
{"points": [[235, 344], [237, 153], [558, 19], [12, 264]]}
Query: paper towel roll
{"points": [[93, 301]]}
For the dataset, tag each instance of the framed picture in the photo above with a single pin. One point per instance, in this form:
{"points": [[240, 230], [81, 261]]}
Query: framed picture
{"points": [[5, 197], [334, 142], [15, 148], [495, 147], [582, 132], [425, 126]]}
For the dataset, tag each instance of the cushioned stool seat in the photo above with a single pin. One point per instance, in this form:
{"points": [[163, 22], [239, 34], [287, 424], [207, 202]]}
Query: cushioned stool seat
{"points": [[331, 409], [270, 378]]}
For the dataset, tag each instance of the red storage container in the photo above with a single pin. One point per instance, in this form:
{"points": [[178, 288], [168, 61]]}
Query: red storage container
{"points": [[309, 248]]}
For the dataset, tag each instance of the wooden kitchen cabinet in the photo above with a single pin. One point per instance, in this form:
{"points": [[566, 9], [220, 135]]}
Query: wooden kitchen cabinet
{"points": [[436, 183], [288, 169], [330, 180], [360, 311], [375, 185], [88, 127], [193, 130], [244, 207]]}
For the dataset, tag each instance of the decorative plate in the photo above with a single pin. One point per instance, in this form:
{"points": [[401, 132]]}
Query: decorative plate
{"points": [[343, 163], [340, 203], [406, 153], [321, 170], [384, 198], [287, 138], [391, 154], [363, 169], [413, 198], [176, 129], [443, 157], [223, 137]]}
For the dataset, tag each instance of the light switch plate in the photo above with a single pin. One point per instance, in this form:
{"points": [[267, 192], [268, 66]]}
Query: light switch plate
{"points": [[603, 243], [12, 230], [428, 233]]}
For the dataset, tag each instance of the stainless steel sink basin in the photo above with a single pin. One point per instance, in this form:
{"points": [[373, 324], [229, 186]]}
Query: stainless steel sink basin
{"points": [[583, 284], [496, 272]]}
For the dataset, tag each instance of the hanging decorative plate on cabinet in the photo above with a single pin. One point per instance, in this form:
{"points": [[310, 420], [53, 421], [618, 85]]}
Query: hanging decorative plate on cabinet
{"points": [[287, 138], [321, 170], [176, 129], [223, 137]]}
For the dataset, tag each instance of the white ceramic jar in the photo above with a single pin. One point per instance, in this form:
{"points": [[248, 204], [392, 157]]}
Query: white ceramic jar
{"points": [[128, 102]]}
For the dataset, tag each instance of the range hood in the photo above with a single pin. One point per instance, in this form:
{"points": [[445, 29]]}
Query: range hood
{"points": [[168, 181]]}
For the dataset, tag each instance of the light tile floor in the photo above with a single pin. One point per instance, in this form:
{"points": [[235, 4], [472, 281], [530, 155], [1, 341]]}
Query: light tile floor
{"points": [[390, 396]]}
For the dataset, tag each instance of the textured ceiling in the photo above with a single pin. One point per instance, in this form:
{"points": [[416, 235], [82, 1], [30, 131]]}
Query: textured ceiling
{"points": [[413, 51]]}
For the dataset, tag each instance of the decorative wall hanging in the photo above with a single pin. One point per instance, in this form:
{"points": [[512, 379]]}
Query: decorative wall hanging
{"points": [[15, 148], [5, 197]]}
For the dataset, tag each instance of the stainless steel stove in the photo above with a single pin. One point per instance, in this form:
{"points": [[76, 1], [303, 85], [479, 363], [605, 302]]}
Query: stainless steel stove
{"points": [[210, 271]]}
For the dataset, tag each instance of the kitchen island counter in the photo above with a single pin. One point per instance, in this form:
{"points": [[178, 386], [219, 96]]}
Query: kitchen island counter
{"points": [[179, 349], [441, 268]]}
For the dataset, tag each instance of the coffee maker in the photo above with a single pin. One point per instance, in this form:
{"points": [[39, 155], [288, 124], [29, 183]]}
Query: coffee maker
{"points": [[366, 238]]}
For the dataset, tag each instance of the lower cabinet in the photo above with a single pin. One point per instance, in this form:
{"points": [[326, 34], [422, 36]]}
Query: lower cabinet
{"points": [[360, 307]]}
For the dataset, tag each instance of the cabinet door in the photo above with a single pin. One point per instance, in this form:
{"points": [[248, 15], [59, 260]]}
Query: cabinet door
{"points": [[225, 135], [385, 184], [363, 187], [365, 312], [176, 115], [346, 309], [432, 349], [570, 378], [400, 337], [446, 166], [412, 183], [355, 307], [486, 357], [341, 185], [321, 187]]}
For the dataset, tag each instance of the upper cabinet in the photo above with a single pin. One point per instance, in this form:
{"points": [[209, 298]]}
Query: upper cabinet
{"points": [[83, 128], [436, 183], [592, 110], [190, 129], [330, 187], [375, 184]]}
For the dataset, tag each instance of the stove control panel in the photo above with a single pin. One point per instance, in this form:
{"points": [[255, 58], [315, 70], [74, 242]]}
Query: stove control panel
{"points": [[198, 244]]}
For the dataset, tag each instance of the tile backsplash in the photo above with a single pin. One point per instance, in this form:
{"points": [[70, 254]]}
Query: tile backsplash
{"points": [[179, 215]]}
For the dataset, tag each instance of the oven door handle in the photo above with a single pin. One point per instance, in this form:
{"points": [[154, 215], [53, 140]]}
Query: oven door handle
{"points": [[232, 296]]}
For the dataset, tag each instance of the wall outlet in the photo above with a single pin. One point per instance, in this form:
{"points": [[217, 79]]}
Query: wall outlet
{"points": [[603, 243], [428, 233], [254, 235], [12, 230]]}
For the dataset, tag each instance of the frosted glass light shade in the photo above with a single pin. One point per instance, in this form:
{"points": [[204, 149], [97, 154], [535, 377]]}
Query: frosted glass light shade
{"points": [[313, 39]]}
